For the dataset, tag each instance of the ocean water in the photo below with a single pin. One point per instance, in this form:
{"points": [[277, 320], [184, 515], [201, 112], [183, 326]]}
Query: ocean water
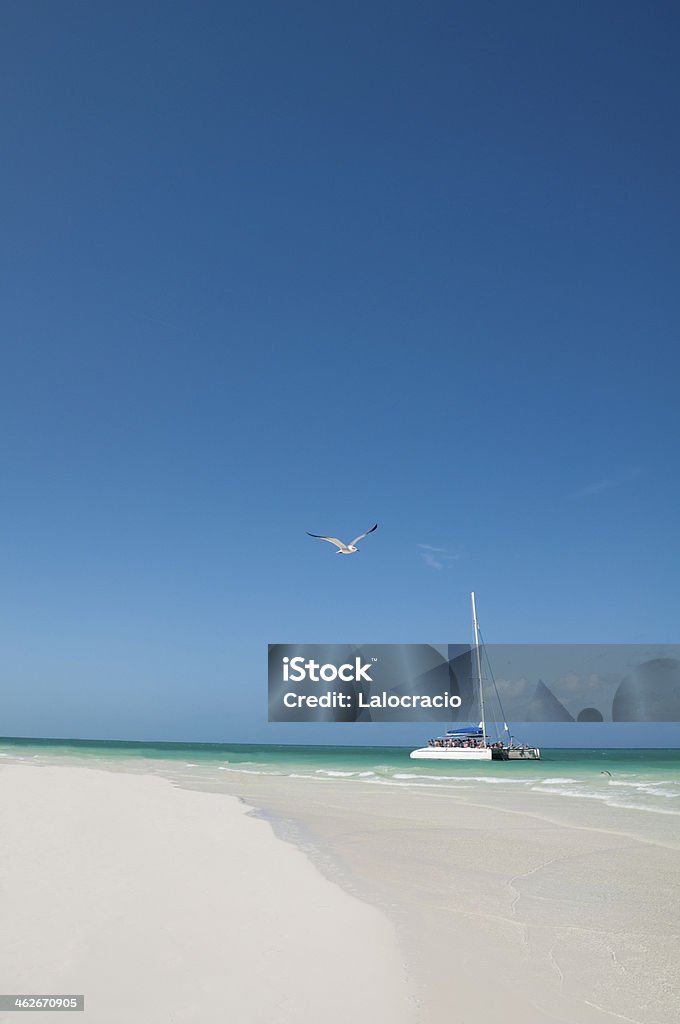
{"points": [[641, 780]]}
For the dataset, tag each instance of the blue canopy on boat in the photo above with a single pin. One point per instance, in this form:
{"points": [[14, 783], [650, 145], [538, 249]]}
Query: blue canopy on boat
{"points": [[473, 731]]}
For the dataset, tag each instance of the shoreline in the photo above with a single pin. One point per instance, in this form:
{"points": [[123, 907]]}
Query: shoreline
{"points": [[565, 912]]}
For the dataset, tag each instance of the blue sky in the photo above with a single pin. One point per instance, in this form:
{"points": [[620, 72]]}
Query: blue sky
{"points": [[275, 268]]}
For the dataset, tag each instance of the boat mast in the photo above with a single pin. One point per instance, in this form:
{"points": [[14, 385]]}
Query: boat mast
{"points": [[478, 659]]}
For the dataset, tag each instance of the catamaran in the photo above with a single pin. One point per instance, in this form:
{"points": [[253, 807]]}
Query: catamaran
{"points": [[473, 743]]}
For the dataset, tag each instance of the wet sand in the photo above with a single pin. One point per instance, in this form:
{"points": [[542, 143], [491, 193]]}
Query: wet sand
{"points": [[505, 908]]}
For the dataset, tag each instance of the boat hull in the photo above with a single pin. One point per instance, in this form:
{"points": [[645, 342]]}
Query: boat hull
{"points": [[451, 754]]}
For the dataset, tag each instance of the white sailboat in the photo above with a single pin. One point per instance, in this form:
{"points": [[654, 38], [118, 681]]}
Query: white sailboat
{"points": [[473, 743]]}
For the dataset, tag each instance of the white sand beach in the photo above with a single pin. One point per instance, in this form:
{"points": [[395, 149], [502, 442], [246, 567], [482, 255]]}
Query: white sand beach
{"points": [[150, 888], [165, 905]]}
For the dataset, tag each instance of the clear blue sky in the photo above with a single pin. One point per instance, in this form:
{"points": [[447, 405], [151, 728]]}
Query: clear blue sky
{"points": [[269, 268]]}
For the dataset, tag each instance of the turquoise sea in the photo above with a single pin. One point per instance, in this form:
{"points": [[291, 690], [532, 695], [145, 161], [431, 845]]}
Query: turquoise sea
{"points": [[638, 779]]}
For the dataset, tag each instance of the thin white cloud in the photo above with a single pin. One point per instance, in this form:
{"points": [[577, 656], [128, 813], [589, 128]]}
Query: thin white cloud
{"points": [[155, 320], [438, 558], [595, 488], [606, 483], [430, 560]]}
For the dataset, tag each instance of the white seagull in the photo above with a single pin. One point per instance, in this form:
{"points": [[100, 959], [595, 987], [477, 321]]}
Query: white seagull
{"points": [[344, 549]]}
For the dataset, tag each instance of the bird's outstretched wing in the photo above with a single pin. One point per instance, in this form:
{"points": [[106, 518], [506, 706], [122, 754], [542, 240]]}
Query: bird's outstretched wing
{"points": [[331, 540], [362, 535]]}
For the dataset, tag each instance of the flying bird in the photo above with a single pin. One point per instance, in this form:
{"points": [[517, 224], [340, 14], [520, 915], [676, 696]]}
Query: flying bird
{"points": [[344, 549]]}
